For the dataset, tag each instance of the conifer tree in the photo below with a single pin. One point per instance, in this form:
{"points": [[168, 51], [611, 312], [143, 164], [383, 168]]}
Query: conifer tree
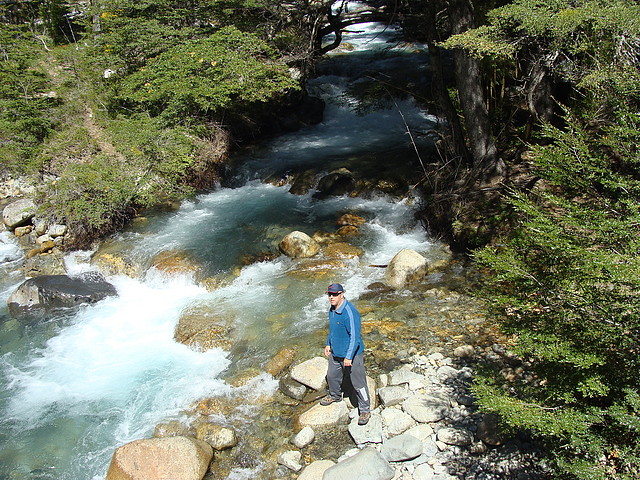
{"points": [[565, 283]]}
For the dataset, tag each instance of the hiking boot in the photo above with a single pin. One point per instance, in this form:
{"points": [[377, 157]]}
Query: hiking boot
{"points": [[363, 419], [328, 400]]}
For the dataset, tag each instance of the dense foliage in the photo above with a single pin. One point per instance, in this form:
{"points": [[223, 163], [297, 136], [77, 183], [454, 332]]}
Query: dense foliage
{"points": [[26, 118], [566, 281], [117, 104]]}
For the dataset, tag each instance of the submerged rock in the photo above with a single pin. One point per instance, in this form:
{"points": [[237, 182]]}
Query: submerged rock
{"points": [[351, 219], [336, 183], [175, 262], [59, 291], [177, 458], [219, 437], [280, 361], [201, 328], [343, 250]]}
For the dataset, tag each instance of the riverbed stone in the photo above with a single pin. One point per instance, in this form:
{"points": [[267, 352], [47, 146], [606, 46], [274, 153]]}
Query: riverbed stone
{"points": [[455, 436], [40, 225], [406, 267], [464, 351], [59, 291], [370, 433], [393, 395], [319, 415], [171, 428], [424, 472], [315, 470], [311, 373], [291, 459], [18, 213], [401, 448], [22, 231], [218, 436], [292, 388], [280, 361], [57, 230], [445, 372], [304, 437], [403, 376], [298, 245], [428, 407], [177, 458], [351, 219], [368, 464]]}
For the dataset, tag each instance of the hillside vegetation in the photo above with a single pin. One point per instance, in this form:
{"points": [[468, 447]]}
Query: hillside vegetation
{"points": [[120, 105]]}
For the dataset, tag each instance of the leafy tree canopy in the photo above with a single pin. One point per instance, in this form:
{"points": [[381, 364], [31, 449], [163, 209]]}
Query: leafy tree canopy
{"points": [[206, 75]]}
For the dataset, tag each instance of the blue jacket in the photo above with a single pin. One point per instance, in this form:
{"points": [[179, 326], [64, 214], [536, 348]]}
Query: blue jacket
{"points": [[344, 336]]}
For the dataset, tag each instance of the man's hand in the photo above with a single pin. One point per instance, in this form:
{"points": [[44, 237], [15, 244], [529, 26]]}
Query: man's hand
{"points": [[327, 351], [347, 362]]}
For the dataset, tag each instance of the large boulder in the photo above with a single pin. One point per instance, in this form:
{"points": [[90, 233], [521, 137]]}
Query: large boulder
{"points": [[18, 213], [367, 464], [406, 267], [311, 373], [59, 291], [175, 458], [318, 415], [428, 407], [299, 245]]}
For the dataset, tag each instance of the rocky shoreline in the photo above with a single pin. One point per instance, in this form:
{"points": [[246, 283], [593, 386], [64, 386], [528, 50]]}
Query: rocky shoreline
{"points": [[424, 426]]}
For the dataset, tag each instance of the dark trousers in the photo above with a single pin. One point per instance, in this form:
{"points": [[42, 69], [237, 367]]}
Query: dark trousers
{"points": [[352, 381]]}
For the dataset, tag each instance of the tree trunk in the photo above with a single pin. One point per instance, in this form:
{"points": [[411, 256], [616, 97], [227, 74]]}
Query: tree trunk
{"points": [[440, 93], [469, 81]]}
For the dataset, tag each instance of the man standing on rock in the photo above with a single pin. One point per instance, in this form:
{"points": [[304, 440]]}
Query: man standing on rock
{"points": [[345, 352]]}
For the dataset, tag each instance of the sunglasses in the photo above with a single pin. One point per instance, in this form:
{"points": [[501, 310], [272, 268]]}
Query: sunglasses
{"points": [[331, 294]]}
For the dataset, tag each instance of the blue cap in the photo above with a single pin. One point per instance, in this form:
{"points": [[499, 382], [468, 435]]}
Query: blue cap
{"points": [[335, 288]]}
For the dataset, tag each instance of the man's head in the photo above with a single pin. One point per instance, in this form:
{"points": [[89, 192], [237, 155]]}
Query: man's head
{"points": [[336, 294]]}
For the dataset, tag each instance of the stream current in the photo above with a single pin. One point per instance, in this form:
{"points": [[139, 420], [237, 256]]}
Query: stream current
{"points": [[78, 384]]}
